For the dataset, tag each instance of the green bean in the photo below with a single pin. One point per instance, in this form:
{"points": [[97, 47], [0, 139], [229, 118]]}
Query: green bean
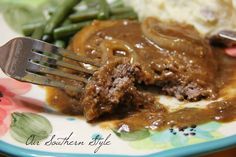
{"points": [[60, 43], [29, 28], [84, 15], [104, 10], [116, 4], [91, 3], [38, 33], [129, 15], [120, 10], [60, 14], [66, 22], [68, 30], [90, 14], [50, 11]]}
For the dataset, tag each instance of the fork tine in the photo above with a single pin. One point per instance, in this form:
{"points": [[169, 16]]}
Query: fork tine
{"points": [[38, 68], [42, 46], [76, 57], [43, 80], [73, 67], [57, 62]]}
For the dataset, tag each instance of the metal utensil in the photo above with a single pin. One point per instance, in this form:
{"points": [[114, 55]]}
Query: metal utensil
{"points": [[225, 38], [31, 60]]}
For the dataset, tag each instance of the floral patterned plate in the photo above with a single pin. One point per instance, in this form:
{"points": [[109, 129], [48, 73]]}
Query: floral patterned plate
{"points": [[28, 127]]}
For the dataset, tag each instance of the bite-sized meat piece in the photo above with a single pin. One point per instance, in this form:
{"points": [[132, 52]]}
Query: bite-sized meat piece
{"points": [[191, 91], [172, 56], [113, 88]]}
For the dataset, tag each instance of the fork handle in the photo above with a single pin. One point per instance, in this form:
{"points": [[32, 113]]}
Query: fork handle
{"points": [[4, 53]]}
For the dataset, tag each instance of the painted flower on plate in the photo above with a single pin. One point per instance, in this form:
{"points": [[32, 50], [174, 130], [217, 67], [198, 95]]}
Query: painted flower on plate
{"points": [[11, 100], [172, 138]]}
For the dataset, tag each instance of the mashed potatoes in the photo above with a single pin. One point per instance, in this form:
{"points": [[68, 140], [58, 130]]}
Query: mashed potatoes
{"points": [[206, 15]]}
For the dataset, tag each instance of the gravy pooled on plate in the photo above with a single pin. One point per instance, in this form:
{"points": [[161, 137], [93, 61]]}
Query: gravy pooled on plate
{"points": [[171, 58]]}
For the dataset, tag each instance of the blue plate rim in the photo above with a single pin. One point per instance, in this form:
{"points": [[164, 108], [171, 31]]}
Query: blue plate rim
{"points": [[194, 149]]}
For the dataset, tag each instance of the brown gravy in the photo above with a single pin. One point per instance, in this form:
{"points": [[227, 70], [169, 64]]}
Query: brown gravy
{"points": [[224, 79]]}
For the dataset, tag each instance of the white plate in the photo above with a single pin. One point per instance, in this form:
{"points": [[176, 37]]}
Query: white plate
{"points": [[209, 137]]}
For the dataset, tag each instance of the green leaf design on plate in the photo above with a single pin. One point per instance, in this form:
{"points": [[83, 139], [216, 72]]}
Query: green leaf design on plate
{"points": [[25, 125], [179, 140], [133, 136], [150, 140], [161, 137], [204, 134], [211, 126], [148, 144]]}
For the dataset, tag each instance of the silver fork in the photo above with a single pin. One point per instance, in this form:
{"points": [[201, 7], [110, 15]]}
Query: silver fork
{"points": [[226, 38], [30, 60]]}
